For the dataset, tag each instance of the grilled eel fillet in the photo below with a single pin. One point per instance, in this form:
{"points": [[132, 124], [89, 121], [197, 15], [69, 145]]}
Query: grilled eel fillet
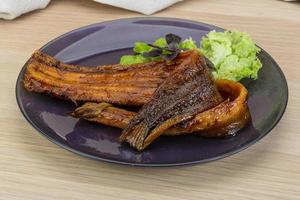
{"points": [[188, 90], [118, 84], [44, 74], [225, 119]]}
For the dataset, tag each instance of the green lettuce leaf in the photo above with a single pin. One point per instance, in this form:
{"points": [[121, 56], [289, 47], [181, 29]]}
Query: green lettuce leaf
{"points": [[188, 44], [161, 42], [142, 47], [133, 59], [233, 54]]}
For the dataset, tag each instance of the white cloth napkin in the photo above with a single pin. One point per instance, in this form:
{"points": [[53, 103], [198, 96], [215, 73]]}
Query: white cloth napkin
{"points": [[146, 7], [10, 9]]}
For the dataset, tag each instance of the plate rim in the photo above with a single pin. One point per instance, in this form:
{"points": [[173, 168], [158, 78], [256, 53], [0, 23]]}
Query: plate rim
{"points": [[94, 157]]}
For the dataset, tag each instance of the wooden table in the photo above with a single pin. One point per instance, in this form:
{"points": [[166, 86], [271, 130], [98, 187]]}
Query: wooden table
{"points": [[31, 167]]}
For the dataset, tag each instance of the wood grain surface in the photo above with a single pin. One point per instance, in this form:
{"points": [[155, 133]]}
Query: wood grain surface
{"points": [[31, 167]]}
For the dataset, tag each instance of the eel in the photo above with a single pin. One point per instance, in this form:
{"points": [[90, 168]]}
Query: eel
{"points": [[123, 85], [225, 119], [131, 85], [188, 90]]}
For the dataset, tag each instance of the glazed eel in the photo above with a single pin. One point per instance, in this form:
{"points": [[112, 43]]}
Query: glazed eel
{"points": [[124, 85], [177, 97], [222, 120]]}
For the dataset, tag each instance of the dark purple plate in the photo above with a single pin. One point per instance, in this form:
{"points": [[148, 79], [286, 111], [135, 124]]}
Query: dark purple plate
{"points": [[104, 43]]}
